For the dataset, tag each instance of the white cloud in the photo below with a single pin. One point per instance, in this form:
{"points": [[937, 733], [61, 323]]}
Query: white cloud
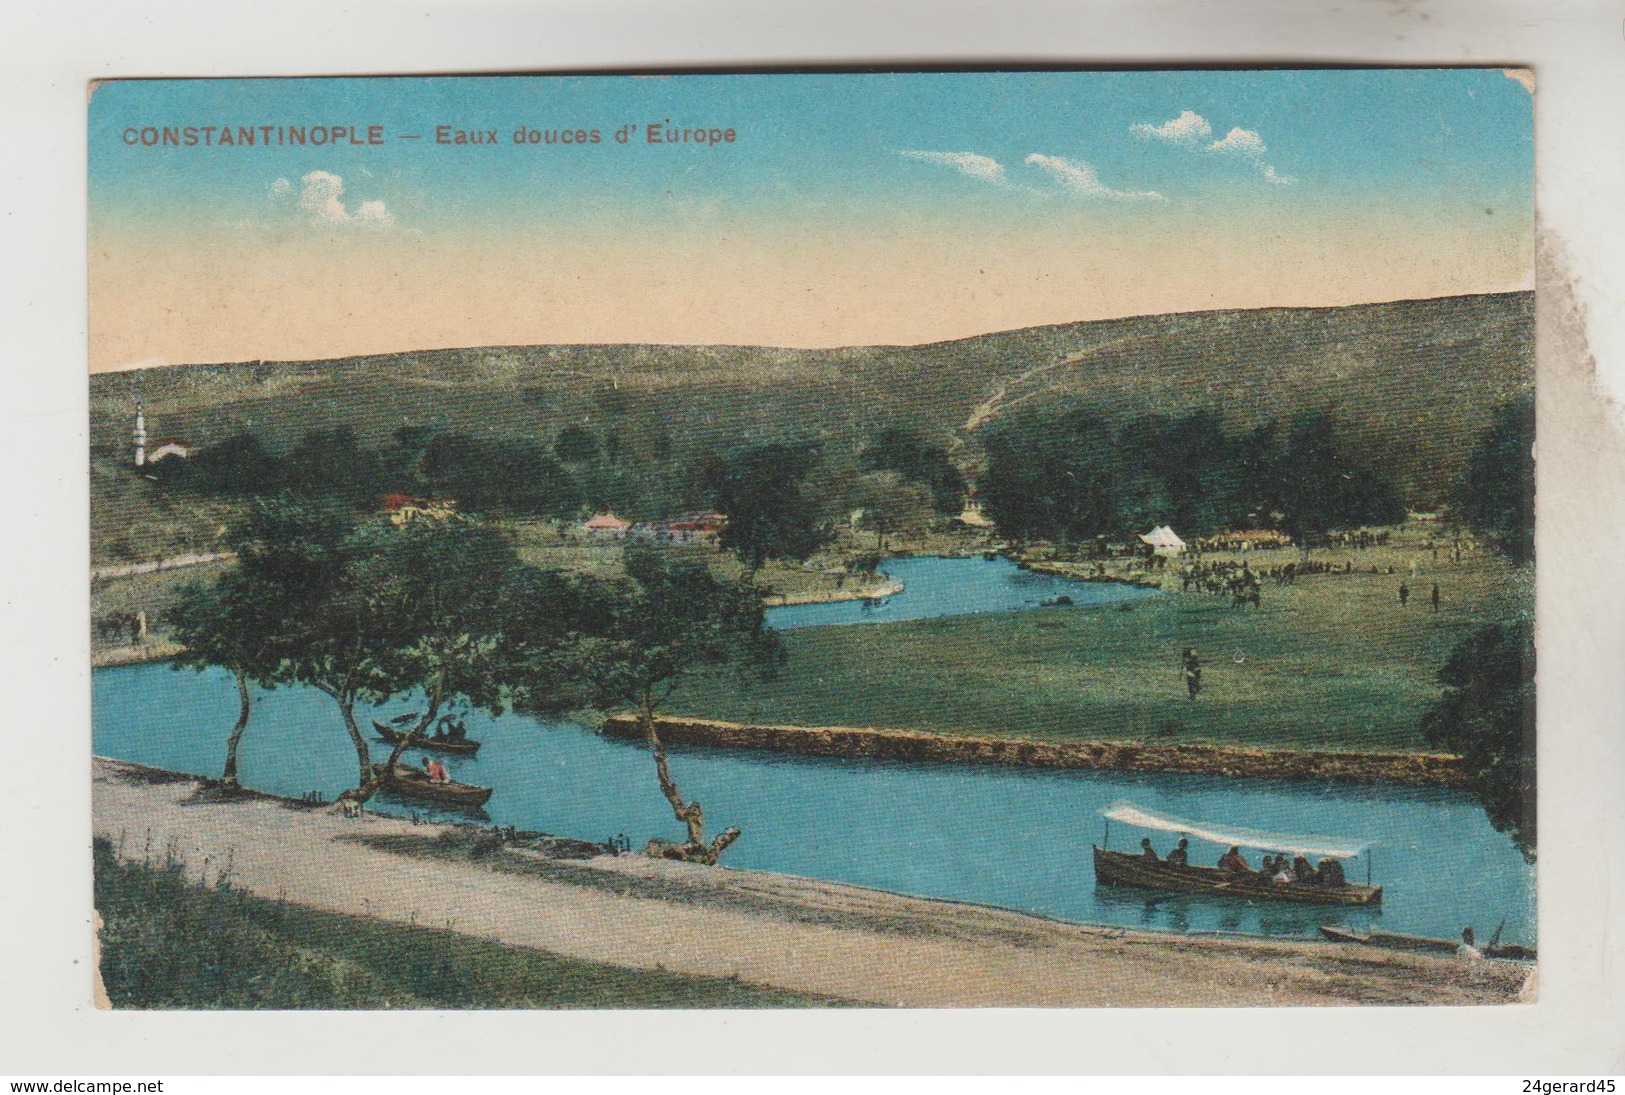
{"points": [[977, 166], [321, 199], [1240, 142], [1082, 180], [1188, 128], [1247, 144], [374, 213], [1193, 131]]}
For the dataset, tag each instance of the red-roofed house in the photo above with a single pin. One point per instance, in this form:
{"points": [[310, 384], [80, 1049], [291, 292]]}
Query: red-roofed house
{"points": [[606, 526]]}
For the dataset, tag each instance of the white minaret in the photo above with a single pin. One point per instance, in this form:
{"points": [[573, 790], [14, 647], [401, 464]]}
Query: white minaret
{"points": [[140, 435]]}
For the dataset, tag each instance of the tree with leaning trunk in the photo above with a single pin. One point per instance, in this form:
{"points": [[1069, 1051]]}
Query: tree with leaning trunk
{"points": [[246, 619], [632, 642], [407, 608]]}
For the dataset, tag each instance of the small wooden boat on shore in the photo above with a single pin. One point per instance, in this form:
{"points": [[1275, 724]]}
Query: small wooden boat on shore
{"points": [[405, 782], [466, 746], [1420, 943], [1135, 869]]}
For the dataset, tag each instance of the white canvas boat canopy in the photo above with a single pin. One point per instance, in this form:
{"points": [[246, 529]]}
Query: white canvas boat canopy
{"points": [[1130, 814]]}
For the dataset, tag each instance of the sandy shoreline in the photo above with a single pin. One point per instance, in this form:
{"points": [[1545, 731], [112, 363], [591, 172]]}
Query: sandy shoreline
{"points": [[799, 934]]}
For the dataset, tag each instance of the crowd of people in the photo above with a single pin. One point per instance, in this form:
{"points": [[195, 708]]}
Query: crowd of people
{"points": [[1223, 577], [1275, 869]]}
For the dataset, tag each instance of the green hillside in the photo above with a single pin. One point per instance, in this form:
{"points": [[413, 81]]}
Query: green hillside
{"points": [[1414, 381]]}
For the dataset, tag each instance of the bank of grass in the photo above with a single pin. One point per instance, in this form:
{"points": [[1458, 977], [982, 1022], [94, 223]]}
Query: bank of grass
{"points": [[1333, 662], [168, 943]]}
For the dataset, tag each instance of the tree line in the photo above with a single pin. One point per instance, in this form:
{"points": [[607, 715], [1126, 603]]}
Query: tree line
{"points": [[897, 478], [509, 475], [366, 612], [1073, 474]]}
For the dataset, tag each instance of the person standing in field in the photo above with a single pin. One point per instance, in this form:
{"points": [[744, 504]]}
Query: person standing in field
{"points": [[1404, 593], [1193, 672], [1434, 597]]}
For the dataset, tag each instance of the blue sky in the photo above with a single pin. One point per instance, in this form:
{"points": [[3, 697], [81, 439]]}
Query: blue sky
{"points": [[847, 161]]}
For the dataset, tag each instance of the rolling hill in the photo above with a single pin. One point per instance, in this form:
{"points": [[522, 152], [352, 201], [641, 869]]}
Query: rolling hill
{"points": [[1415, 382]]}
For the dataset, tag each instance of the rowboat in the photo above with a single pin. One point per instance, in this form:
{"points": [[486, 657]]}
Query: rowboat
{"points": [[1422, 943], [405, 782], [465, 747], [1135, 869]]}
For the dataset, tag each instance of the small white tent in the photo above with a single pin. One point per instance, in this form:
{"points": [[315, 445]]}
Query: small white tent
{"points": [[1163, 540]]}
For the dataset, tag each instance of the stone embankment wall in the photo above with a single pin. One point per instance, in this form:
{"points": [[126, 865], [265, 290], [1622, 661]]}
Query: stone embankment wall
{"points": [[1415, 769]]}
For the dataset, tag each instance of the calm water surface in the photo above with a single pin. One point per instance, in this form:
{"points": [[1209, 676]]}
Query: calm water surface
{"points": [[1007, 837], [937, 586]]}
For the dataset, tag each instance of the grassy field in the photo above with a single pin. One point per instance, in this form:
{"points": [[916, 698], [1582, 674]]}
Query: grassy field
{"points": [[1332, 662], [171, 944]]}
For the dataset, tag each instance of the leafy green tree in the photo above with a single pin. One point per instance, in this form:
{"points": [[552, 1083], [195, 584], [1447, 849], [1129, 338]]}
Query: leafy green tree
{"points": [[1496, 494], [505, 476], [891, 505], [454, 579], [333, 462], [577, 445], [522, 478], [769, 513], [404, 609], [1192, 468], [633, 642], [246, 619], [1053, 476], [1321, 486], [1487, 715], [913, 458], [235, 465]]}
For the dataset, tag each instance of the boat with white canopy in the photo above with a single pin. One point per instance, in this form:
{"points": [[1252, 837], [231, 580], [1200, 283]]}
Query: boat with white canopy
{"points": [[1138, 869]]}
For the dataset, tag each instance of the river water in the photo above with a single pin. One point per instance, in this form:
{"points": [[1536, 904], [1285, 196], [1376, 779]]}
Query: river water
{"points": [[1003, 836], [940, 586]]}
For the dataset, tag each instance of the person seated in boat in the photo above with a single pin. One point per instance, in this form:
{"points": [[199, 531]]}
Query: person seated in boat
{"points": [[440, 728], [1330, 872], [1302, 870], [1147, 852], [435, 770], [1180, 856], [1283, 869], [1234, 862], [458, 731]]}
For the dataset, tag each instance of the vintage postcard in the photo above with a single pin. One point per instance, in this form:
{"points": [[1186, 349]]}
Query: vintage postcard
{"points": [[924, 539]]}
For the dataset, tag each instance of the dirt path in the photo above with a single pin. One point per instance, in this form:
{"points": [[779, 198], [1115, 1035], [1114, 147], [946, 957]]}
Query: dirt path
{"points": [[798, 934]]}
